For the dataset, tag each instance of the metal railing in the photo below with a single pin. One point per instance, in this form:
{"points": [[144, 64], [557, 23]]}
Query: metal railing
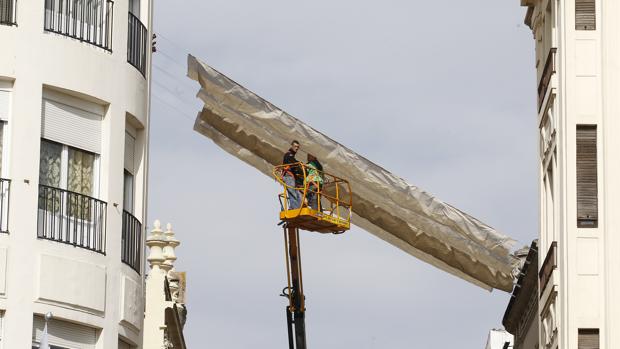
{"points": [[72, 218], [8, 12], [137, 44], [89, 21], [545, 77], [5, 189], [131, 244]]}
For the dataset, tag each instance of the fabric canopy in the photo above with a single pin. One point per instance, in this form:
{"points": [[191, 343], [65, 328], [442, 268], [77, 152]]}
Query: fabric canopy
{"points": [[258, 133]]}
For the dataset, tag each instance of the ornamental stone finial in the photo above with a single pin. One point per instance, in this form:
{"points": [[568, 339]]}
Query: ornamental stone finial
{"points": [[168, 251], [156, 242]]}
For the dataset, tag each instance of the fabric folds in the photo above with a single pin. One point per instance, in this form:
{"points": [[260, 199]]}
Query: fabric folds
{"points": [[258, 133]]}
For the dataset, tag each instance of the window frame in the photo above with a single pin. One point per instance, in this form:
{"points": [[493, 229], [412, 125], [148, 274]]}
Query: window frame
{"points": [[64, 167]]}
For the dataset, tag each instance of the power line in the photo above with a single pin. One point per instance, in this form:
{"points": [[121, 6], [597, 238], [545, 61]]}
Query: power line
{"points": [[171, 59], [173, 93], [172, 42], [174, 77], [182, 113]]}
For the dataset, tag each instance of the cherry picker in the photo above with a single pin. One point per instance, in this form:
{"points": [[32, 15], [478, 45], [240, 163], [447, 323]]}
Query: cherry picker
{"points": [[322, 204]]}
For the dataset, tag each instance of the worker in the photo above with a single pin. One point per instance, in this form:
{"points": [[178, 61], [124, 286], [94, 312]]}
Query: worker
{"points": [[314, 181], [293, 177]]}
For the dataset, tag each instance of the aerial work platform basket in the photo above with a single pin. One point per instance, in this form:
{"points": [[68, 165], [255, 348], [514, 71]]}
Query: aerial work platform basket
{"points": [[324, 203]]}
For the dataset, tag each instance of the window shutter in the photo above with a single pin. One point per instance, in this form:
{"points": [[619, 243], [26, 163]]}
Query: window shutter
{"points": [[4, 104], [65, 334], [585, 15], [71, 126], [587, 191], [130, 152], [588, 339]]}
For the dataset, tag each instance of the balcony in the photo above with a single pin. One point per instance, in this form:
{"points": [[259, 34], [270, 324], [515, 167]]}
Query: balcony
{"points": [[545, 77], [137, 44], [8, 12], [5, 186], [131, 244], [72, 218], [88, 21], [548, 266]]}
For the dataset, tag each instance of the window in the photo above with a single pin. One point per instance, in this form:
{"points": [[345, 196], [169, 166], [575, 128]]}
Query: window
{"points": [[585, 15], [65, 167], [588, 338], [128, 192], [124, 345], [131, 233], [69, 211], [7, 12], [63, 334], [587, 190], [5, 99], [134, 7], [128, 173], [1, 327]]}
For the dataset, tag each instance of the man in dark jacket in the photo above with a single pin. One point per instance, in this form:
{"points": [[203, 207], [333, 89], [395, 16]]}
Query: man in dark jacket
{"points": [[293, 177]]}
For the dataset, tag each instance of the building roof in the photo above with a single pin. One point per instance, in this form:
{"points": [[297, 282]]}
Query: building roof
{"points": [[526, 284]]}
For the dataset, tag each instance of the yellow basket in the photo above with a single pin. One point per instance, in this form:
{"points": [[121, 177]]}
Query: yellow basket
{"points": [[324, 207]]}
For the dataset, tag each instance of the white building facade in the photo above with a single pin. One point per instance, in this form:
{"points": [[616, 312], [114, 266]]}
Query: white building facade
{"points": [[577, 54], [74, 97], [499, 339]]}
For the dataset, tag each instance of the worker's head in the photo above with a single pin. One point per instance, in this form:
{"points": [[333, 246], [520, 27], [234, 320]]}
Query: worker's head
{"points": [[311, 158], [295, 146]]}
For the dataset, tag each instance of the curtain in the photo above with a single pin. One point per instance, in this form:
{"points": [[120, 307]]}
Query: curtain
{"points": [[80, 172], [49, 175], [80, 180]]}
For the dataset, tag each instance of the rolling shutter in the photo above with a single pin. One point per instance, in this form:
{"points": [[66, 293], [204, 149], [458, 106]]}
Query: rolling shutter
{"points": [[585, 15], [587, 188], [72, 126], [4, 104], [65, 334], [130, 153], [588, 339]]}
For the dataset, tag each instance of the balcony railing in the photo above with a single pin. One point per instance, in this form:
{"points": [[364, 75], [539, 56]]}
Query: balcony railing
{"points": [[72, 218], [8, 12], [545, 77], [131, 245], [137, 44], [85, 20], [5, 186], [548, 266]]}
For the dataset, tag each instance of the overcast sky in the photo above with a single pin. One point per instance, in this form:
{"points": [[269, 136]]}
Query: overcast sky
{"points": [[441, 93]]}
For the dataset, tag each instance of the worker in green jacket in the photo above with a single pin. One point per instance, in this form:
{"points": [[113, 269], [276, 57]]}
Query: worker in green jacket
{"points": [[314, 181]]}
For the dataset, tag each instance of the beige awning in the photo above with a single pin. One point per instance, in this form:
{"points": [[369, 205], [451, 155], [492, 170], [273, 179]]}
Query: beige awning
{"points": [[257, 132]]}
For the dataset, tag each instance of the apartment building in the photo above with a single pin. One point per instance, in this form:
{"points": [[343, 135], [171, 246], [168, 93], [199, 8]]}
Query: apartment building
{"points": [[578, 80], [74, 92]]}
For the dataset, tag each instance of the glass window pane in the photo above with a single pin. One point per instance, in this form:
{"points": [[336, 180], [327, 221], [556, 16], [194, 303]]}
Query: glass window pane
{"points": [[134, 7], [128, 192], [49, 163], [81, 172]]}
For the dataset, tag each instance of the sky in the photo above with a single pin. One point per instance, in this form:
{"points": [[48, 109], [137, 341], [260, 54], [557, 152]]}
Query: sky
{"points": [[441, 93]]}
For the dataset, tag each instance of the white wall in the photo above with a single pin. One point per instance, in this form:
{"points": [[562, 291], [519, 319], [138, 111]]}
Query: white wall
{"points": [[39, 275], [582, 291]]}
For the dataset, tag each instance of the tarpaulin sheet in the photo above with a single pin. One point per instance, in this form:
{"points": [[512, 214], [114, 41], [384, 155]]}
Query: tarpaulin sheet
{"points": [[257, 132]]}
